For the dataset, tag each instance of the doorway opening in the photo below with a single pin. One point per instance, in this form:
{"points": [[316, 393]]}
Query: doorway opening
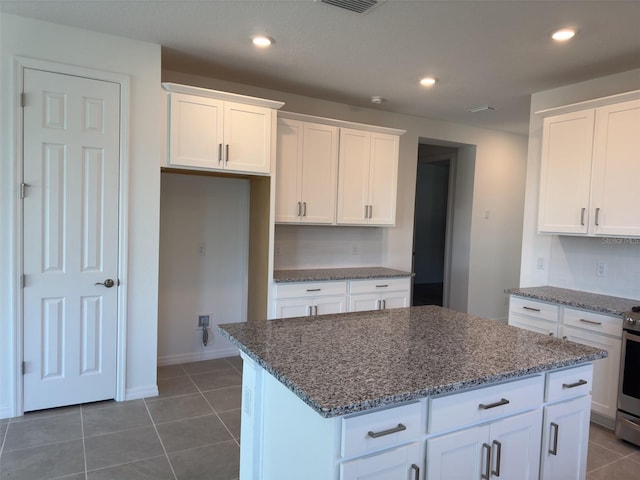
{"points": [[432, 224]]}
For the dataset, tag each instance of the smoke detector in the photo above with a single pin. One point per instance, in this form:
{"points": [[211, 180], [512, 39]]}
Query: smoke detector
{"points": [[377, 99]]}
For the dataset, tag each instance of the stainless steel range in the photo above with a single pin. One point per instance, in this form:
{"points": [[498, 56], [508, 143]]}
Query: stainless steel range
{"points": [[628, 415]]}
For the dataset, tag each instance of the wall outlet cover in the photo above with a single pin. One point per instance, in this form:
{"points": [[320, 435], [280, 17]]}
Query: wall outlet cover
{"points": [[203, 320]]}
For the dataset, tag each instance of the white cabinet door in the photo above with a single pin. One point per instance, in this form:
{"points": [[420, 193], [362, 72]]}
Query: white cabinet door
{"points": [[289, 171], [565, 173], [616, 170], [605, 370], [247, 138], [383, 179], [329, 304], [292, 307], [319, 173], [565, 440], [363, 302], [195, 131], [461, 455], [515, 446], [353, 176], [402, 463]]}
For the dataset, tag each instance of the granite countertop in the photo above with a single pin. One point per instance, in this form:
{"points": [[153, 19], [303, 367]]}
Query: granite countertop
{"points": [[324, 274], [577, 299], [350, 362]]}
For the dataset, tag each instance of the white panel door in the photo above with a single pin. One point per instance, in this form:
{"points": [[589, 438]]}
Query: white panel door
{"points": [[616, 170], [247, 138], [71, 167], [402, 463], [458, 456], [353, 176], [515, 442], [289, 171], [383, 179]]}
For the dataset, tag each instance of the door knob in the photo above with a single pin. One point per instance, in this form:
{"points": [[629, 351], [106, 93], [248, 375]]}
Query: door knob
{"points": [[107, 283]]}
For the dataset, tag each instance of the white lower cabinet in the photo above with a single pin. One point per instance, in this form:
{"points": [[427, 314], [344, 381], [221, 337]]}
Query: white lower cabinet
{"points": [[403, 463], [563, 456], [508, 448], [307, 307], [379, 294]]}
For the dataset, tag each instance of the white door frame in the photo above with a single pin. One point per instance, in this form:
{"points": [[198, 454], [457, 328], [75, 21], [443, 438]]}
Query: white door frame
{"points": [[20, 64]]}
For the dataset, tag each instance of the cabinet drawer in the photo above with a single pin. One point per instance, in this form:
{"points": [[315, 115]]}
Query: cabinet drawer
{"points": [[571, 382], [533, 324], [595, 322], [385, 428], [379, 285], [310, 289], [532, 308], [459, 409]]}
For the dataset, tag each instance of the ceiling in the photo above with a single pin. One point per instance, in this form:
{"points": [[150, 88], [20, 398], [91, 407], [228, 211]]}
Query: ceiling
{"points": [[482, 52]]}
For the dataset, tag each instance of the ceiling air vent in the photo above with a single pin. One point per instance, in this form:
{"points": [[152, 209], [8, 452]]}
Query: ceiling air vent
{"points": [[358, 6]]}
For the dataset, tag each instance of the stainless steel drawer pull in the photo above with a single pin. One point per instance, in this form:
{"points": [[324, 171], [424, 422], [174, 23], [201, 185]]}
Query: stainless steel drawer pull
{"points": [[381, 286], [416, 471], [574, 385], [483, 406], [554, 449], [227, 152], [597, 217], [532, 309], [299, 209], [304, 209], [486, 475], [592, 322], [219, 152], [582, 216], [397, 429], [313, 289]]}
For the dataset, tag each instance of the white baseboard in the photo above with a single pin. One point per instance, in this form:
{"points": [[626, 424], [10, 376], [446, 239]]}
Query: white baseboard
{"points": [[5, 412], [229, 351], [141, 392]]}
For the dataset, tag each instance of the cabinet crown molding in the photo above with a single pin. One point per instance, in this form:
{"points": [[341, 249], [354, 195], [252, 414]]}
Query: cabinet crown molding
{"points": [[593, 103], [233, 97], [340, 123]]}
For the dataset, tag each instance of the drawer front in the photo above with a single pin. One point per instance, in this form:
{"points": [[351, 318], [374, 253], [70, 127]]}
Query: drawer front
{"points": [[382, 429], [595, 322], [309, 289], [533, 308], [534, 324], [379, 285], [477, 406], [568, 383]]}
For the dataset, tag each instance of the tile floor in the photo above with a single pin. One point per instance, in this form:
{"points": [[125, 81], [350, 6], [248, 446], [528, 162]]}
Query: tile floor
{"points": [[191, 431]]}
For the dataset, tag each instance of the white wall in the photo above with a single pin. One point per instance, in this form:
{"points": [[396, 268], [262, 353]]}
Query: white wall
{"points": [[571, 262], [141, 61], [496, 184], [204, 247]]}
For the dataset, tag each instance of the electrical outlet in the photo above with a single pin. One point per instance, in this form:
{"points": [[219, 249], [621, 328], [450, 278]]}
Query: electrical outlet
{"points": [[540, 263], [601, 269], [202, 249], [203, 321], [354, 249]]}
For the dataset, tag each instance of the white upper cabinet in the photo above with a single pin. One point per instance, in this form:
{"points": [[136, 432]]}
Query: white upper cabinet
{"points": [[367, 178], [210, 130], [306, 172], [588, 171]]}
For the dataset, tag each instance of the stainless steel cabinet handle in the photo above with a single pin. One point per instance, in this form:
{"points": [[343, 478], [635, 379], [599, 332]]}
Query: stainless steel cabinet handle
{"points": [[532, 309], [107, 283], [366, 211], [310, 310], [582, 216], [315, 309], [498, 446], [378, 304], [597, 216], [487, 459], [299, 209], [554, 449], [313, 289], [551, 334], [397, 429], [304, 209], [575, 384], [487, 406], [226, 160], [370, 211], [381, 286], [592, 322], [219, 153], [416, 471], [384, 304]]}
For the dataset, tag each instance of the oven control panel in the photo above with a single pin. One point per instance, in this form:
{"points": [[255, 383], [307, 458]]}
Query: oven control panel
{"points": [[632, 319]]}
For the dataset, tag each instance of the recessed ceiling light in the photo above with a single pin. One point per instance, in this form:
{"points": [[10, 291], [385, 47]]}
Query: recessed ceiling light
{"points": [[563, 35], [428, 82], [377, 99], [262, 41]]}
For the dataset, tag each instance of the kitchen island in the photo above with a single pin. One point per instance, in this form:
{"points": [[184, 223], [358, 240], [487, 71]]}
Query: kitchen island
{"points": [[393, 393]]}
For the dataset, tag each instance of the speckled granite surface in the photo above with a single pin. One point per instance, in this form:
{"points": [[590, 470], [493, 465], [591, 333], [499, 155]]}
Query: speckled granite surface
{"points": [[351, 362], [323, 274], [577, 299]]}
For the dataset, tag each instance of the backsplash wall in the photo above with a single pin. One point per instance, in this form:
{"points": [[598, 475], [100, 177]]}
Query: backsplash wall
{"points": [[574, 264], [314, 246]]}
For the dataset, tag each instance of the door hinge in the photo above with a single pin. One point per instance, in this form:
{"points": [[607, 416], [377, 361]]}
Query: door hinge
{"points": [[23, 99], [23, 190]]}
